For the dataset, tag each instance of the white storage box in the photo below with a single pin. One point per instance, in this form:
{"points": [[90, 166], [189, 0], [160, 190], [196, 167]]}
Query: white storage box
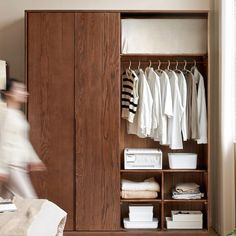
{"points": [[140, 225], [186, 215], [183, 224], [182, 160], [133, 209], [137, 158], [141, 216]]}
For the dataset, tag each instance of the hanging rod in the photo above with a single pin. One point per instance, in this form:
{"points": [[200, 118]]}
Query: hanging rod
{"points": [[163, 62]]}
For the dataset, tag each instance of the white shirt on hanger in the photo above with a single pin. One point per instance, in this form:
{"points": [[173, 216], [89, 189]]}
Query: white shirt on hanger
{"points": [[183, 94], [154, 85], [166, 105], [174, 123], [201, 107], [142, 123]]}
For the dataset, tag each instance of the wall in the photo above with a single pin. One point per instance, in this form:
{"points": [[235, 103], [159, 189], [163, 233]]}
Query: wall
{"points": [[12, 20]]}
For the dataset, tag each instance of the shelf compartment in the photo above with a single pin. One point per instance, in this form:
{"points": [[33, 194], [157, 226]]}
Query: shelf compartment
{"points": [[171, 179], [141, 176], [187, 206], [156, 214]]}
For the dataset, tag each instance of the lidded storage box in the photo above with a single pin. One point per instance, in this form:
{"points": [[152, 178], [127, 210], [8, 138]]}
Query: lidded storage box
{"points": [[182, 160], [138, 158]]}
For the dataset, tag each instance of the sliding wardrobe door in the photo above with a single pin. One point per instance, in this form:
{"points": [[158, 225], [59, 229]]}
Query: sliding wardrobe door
{"points": [[97, 99], [50, 76]]}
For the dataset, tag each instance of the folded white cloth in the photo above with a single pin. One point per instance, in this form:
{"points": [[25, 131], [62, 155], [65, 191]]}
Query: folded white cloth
{"points": [[146, 185], [188, 196], [126, 194], [187, 187]]}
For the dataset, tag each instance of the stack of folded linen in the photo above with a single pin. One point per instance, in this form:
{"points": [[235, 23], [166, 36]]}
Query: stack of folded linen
{"points": [[187, 191], [147, 189]]}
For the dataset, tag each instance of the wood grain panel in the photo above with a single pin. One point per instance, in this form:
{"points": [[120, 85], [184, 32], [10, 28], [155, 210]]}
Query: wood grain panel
{"points": [[97, 106], [50, 70]]}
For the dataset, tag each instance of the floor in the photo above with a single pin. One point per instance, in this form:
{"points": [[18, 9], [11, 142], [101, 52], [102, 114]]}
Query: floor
{"points": [[213, 233]]}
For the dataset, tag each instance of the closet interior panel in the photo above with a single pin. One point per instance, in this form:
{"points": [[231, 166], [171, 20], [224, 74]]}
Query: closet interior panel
{"points": [[97, 109], [50, 81]]}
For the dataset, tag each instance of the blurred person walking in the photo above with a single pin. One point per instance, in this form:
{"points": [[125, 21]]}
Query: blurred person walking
{"points": [[17, 156]]}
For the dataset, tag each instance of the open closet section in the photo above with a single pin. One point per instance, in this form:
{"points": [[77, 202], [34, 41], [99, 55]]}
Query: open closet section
{"points": [[163, 42]]}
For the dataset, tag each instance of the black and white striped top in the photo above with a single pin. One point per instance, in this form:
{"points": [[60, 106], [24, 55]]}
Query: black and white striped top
{"points": [[129, 95]]}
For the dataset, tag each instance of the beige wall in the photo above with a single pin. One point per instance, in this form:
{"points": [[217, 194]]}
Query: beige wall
{"points": [[12, 20]]}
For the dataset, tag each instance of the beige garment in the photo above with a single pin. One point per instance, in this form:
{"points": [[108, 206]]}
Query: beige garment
{"points": [[187, 187], [138, 194], [17, 223], [191, 108]]}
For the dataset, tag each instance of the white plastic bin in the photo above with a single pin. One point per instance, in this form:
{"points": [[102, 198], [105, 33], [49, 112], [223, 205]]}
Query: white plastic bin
{"points": [[140, 225], [182, 160]]}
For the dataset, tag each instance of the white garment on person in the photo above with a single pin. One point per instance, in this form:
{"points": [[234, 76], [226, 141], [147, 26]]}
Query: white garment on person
{"points": [[174, 123], [142, 123], [201, 107], [154, 84], [19, 183], [166, 106], [15, 147], [183, 93]]}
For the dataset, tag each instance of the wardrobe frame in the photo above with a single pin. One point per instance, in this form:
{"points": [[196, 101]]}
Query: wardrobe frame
{"points": [[206, 172]]}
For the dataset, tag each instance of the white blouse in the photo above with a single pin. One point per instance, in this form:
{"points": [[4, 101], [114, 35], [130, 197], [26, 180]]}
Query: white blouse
{"points": [[15, 147]]}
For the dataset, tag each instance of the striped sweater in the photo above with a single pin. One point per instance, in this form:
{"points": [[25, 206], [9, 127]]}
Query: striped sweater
{"points": [[130, 97]]}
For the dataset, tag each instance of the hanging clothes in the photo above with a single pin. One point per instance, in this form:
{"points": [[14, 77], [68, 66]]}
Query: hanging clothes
{"points": [[129, 95], [183, 94], [166, 106], [192, 121], [201, 107], [174, 123], [154, 85], [142, 123]]}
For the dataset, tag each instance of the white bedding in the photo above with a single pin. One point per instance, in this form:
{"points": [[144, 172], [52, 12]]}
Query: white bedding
{"points": [[49, 221]]}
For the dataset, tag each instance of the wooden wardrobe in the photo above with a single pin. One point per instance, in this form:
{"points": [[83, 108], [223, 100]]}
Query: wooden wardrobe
{"points": [[73, 68]]}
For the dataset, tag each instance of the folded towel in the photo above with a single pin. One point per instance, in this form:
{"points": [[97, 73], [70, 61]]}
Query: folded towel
{"points": [[188, 196], [138, 194], [187, 187], [146, 185], [3, 74]]}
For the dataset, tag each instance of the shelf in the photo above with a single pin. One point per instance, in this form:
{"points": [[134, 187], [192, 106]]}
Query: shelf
{"points": [[166, 231], [141, 171], [162, 55], [140, 200], [186, 200], [164, 170]]}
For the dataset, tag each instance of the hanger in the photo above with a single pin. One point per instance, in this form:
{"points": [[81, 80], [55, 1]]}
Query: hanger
{"points": [[194, 65], [129, 64], [159, 67], [139, 64], [168, 66], [184, 69], [176, 67], [150, 63]]}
